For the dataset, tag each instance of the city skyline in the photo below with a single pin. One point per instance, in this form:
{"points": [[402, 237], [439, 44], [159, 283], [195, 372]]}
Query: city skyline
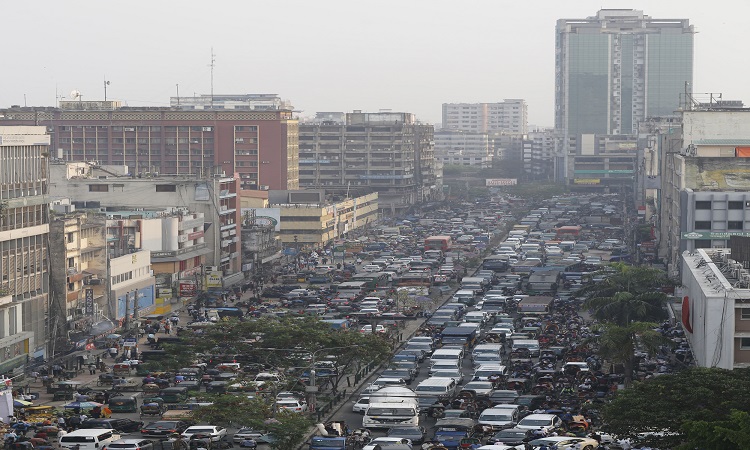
{"points": [[334, 56]]}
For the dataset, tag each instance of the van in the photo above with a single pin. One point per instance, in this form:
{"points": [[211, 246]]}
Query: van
{"points": [[175, 394], [444, 364], [487, 371], [442, 388], [495, 349], [465, 296], [88, 439], [447, 353], [476, 317], [531, 344]]}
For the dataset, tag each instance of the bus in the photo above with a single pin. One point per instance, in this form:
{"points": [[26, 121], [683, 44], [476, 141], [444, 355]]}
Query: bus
{"points": [[373, 280], [442, 243], [416, 278]]}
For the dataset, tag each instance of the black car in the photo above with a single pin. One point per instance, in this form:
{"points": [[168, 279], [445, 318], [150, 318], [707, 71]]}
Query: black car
{"points": [[416, 434], [164, 428], [122, 425], [530, 402], [511, 436], [504, 397]]}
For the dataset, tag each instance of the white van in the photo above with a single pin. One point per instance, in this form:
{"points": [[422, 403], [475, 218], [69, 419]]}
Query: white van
{"points": [[444, 364], [89, 439], [437, 387], [531, 344], [447, 353]]}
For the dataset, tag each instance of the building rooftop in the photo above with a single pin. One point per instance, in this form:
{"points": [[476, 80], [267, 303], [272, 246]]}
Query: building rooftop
{"points": [[717, 272]]}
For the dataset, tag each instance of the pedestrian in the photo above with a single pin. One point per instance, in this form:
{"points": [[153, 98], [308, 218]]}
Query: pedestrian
{"points": [[92, 369], [166, 328], [113, 352]]}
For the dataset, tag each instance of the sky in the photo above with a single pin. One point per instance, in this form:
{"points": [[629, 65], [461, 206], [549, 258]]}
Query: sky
{"points": [[329, 55]]}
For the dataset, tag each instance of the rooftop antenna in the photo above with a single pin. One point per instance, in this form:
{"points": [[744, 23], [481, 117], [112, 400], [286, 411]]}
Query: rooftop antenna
{"points": [[106, 83], [213, 61]]}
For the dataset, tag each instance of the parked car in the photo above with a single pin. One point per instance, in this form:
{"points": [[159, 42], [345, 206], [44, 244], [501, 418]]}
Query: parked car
{"points": [[216, 433], [162, 428]]}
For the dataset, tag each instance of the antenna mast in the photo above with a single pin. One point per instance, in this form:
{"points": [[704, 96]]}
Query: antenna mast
{"points": [[213, 61], [106, 83]]}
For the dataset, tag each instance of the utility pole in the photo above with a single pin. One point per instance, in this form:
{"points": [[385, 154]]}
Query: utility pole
{"points": [[106, 83]]}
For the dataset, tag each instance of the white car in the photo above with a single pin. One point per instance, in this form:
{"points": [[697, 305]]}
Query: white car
{"points": [[291, 405], [384, 441], [361, 405], [565, 443], [216, 433], [545, 422], [368, 329]]}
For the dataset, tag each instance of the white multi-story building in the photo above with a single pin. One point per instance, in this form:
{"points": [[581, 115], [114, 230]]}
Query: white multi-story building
{"points": [[508, 116], [539, 152], [463, 148], [246, 102], [24, 231]]}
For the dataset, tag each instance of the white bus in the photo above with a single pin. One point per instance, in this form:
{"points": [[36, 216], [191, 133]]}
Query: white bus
{"points": [[391, 412]]}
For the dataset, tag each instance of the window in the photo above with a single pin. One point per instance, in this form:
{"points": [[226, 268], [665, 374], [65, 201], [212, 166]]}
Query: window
{"points": [[745, 313], [702, 224], [702, 243], [735, 205], [702, 205], [734, 225], [166, 188], [98, 188], [745, 343]]}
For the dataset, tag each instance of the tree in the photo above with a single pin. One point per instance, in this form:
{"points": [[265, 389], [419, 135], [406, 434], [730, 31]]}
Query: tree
{"points": [[636, 280], [730, 434], [286, 428], [618, 343], [665, 403], [624, 307]]}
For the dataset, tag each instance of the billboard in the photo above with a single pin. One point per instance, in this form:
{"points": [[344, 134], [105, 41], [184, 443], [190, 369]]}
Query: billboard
{"points": [[187, 288], [501, 181], [214, 279], [714, 234], [587, 181], [89, 302], [265, 216]]}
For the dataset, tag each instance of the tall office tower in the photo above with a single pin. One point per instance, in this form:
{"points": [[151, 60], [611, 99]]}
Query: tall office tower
{"points": [[613, 70], [24, 230], [617, 68]]}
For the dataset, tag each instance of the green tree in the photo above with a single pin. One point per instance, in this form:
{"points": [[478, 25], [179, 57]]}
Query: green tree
{"points": [[618, 343], [730, 434], [636, 280], [666, 403], [624, 307]]}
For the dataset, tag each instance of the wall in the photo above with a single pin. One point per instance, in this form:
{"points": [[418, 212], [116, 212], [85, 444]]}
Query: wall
{"points": [[698, 125]]}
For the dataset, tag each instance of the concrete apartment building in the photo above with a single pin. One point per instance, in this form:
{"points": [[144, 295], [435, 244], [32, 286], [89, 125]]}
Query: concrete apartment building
{"points": [[261, 146], [614, 70], [705, 192], [385, 152], [24, 229], [213, 199], [463, 148], [539, 154], [310, 219], [509, 116], [715, 309]]}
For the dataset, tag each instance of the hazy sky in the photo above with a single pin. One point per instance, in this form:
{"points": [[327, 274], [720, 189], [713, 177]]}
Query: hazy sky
{"points": [[329, 55]]}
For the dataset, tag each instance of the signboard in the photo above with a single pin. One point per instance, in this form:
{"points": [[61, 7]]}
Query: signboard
{"points": [[187, 288], [265, 216], [213, 279], [89, 302], [714, 234], [587, 181], [289, 251], [500, 181], [196, 235], [164, 292], [130, 342]]}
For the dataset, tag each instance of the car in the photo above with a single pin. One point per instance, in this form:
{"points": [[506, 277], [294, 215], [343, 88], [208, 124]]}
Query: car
{"points": [[247, 432], [511, 436], [291, 405], [368, 329], [503, 396], [162, 428], [480, 388], [361, 405], [414, 434], [386, 442], [129, 444], [565, 443], [545, 422], [120, 424], [216, 433]]}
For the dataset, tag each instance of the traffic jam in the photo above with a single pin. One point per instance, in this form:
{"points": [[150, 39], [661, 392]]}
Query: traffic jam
{"points": [[507, 358]]}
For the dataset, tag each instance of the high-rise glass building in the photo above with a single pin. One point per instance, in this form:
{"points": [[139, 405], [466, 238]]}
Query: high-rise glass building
{"points": [[617, 68]]}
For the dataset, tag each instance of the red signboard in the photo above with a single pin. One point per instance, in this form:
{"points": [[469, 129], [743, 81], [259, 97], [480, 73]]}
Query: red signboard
{"points": [[196, 235], [187, 289]]}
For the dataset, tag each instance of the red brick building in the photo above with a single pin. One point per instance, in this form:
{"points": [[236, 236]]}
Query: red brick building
{"points": [[261, 146]]}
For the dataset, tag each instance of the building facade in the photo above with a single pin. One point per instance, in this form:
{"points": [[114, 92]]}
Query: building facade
{"points": [[715, 309], [209, 229], [539, 154], [463, 148], [508, 116], [388, 153], [614, 70], [238, 102], [309, 220], [24, 231], [260, 146]]}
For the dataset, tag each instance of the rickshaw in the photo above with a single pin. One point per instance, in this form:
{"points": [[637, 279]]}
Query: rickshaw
{"points": [[123, 404], [97, 396], [152, 406], [64, 390], [151, 389], [105, 379], [521, 385]]}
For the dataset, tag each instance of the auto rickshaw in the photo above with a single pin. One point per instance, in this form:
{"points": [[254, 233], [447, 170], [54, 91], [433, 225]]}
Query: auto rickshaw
{"points": [[469, 442], [152, 406], [64, 390], [151, 389], [105, 379]]}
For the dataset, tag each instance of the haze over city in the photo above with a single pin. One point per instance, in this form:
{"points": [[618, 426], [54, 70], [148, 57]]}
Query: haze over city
{"points": [[327, 56]]}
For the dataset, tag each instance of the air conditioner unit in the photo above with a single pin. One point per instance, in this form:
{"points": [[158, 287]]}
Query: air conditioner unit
{"points": [[264, 187]]}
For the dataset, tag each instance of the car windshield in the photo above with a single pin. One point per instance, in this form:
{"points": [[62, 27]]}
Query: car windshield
{"points": [[495, 416], [510, 435], [475, 385], [390, 412], [535, 422]]}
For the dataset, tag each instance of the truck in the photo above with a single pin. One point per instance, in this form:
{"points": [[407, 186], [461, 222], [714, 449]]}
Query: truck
{"points": [[465, 336], [537, 304]]}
